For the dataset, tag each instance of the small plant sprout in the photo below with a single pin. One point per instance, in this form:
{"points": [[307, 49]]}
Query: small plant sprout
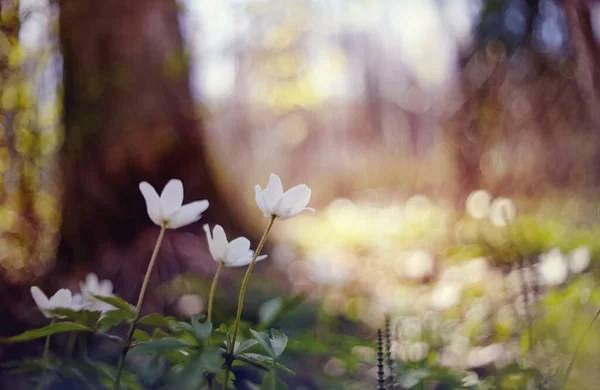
{"points": [[168, 212], [275, 204], [236, 253]]}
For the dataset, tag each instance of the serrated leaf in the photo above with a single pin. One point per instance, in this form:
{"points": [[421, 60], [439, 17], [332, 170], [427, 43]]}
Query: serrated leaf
{"points": [[51, 329], [202, 330], [247, 344], [116, 302], [160, 346], [222, 329], [194, 371], [278, 342], [264, 340]]}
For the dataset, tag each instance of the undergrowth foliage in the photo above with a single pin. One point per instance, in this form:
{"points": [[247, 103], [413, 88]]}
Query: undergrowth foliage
{"points": [[198, 354]]}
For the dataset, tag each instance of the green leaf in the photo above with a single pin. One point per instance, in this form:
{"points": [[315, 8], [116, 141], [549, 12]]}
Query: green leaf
{"points": [[51, 329], [278, 342], [247, 344], [117, 302], [158, 333], [83, 317], [141, 336], [194, 371], [115, 317], [160, 346], [157, 319], [284, 369], [264, 340], [222, 329], [153, 371], [202, 330], [270, 382]]}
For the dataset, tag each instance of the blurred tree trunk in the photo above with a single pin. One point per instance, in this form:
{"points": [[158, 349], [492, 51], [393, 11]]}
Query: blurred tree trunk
{"points": [[586, 53], [129, 117]]}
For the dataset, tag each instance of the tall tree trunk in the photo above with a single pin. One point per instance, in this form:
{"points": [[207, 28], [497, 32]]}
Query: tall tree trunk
{"points": [[129, 116]]}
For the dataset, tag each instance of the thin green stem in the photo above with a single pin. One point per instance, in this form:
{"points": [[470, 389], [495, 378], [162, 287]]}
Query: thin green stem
{"points": [[45, 357], [572, 362], [213, 288], [240, 307], [131, 331], [71, 345], [47, 345]]}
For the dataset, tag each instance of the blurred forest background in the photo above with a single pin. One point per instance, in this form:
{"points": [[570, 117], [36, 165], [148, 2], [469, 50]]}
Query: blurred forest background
{"points": [[392, 111]]}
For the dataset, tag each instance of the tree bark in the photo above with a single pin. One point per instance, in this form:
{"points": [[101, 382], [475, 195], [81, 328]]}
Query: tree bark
{"points": [[129, 117]]}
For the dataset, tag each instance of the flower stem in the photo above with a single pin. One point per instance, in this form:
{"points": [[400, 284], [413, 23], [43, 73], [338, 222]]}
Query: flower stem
{"points": [[47, 345], [240, 307], [127, 345], [213, 287], [45, 356]]}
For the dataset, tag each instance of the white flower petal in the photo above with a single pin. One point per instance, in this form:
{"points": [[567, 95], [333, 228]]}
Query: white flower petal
{"points": [[62, 298], [219, 243], [209, 239], [187, 214], [41, 300], [294, 201], [171, 198], [105, 288], [260, 201], [152, 202], [241, 262], [237, 249], [273, 192], [261, 257]]}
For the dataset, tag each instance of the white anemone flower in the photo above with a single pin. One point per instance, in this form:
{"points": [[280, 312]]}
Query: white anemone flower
{"points": [[168, 209], [478, 204], [62, 299], [236, 253], [502, 212], [579, 259], [93, 286], [553, 268], [274, 202]]}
